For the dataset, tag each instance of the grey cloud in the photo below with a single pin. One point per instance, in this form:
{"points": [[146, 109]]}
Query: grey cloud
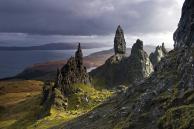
{"points": [[87, 17]]}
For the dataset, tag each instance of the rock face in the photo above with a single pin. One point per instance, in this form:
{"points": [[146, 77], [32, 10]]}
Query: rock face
{"points": [[56, 95], [159, 53], [121, 70], [184, 35], [139, 66], [53, 97], [73, 72], [119, 41]]}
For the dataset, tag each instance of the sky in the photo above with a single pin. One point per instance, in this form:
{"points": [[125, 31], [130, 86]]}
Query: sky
{"points": [[34, 22]]}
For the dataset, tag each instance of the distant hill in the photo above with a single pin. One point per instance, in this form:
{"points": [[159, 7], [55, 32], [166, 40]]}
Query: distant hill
{"points": [[55, 46]]}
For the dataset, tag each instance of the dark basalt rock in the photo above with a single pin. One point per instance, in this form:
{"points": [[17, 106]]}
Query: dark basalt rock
{"points": [[121, 70], [159, 53], [119, 41], [184, 35], [139, 66], [137, 48], [53, 97], [73, 72]]}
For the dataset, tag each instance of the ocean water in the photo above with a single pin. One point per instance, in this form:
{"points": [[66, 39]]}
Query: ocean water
{"points": [[14, 62]]}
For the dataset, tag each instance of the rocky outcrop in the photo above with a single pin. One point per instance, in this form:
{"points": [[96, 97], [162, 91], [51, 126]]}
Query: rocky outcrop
{"points": [[139, 65], [159, 53], [119, 41], [184, 35], [121, 70], [162, 101], [52, 97], [74, 72], [110, 74]]}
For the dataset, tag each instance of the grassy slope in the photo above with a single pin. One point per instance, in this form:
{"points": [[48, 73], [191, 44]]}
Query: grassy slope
{"points": [[176, 109], [20, 105], [18, 99]]}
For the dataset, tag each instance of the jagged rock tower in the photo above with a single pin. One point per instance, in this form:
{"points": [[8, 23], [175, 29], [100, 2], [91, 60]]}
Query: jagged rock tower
{"points": [[139, 64], [74, 72], [119, 41], [160, 52], [79, 56]]}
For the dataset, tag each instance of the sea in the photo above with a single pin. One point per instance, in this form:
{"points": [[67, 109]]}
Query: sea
{"points": [[14, 62]]}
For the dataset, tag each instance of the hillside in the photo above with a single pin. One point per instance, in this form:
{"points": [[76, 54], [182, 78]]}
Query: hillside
{"points": [[162, 101], [20, 105]]}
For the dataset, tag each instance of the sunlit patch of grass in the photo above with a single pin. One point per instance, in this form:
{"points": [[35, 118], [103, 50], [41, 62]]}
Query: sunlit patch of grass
{"points": [[6, 123], [57, 117], [94, 96]]}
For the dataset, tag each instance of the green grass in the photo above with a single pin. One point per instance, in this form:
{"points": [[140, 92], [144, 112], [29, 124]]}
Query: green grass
{"points": [[18, 99], [181, 117], [99, 83], [179, 112], [94, 96], [21, 108]]}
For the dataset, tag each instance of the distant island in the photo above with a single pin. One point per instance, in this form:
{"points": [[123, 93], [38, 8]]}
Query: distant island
{"points": [[54, 46]]}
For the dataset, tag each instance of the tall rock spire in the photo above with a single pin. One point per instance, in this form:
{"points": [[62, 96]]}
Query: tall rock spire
{"points": [[140, 65], [79, 56], [119, 41], [73, 72], [137, 47], [184, 35]]}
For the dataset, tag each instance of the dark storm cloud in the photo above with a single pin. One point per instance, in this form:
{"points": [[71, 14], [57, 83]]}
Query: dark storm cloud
{"points": [[87, 17]]}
